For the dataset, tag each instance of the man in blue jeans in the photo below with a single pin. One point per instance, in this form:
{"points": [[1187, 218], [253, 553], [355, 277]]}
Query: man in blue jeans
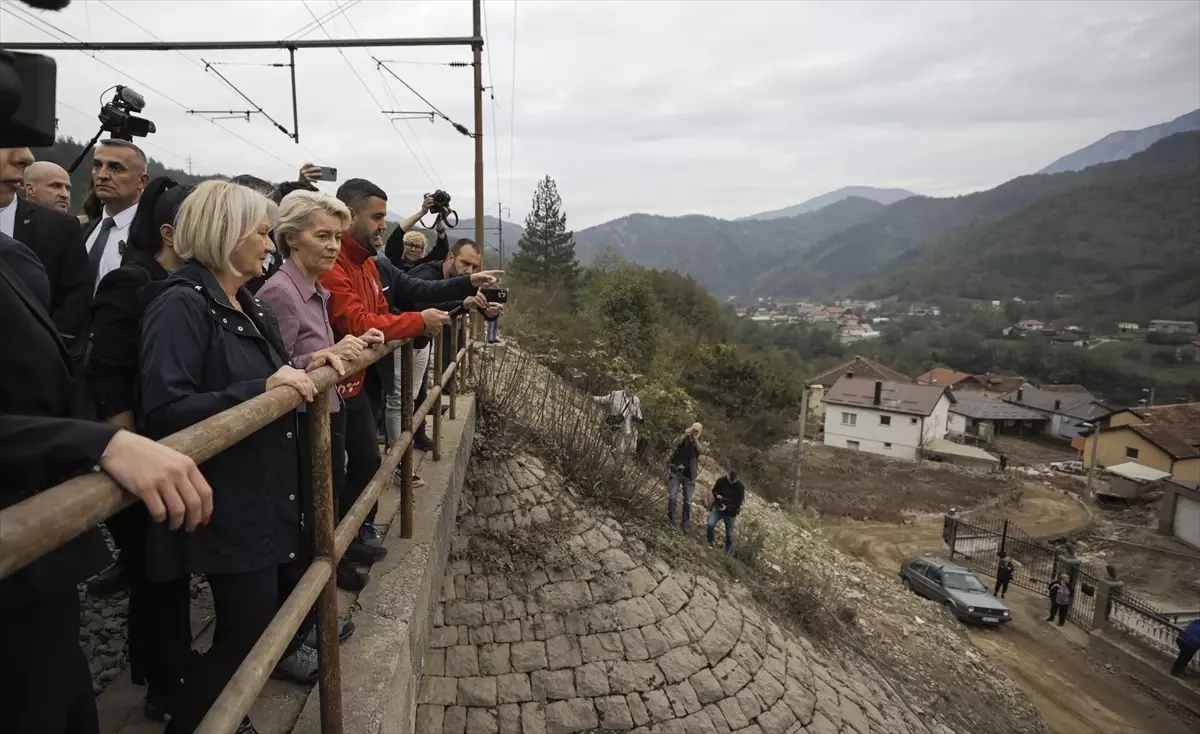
{"points": [[728, 495], [682, 469]]}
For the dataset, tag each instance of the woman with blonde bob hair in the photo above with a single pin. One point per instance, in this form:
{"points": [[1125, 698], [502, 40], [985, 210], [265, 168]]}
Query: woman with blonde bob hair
{"points": [[208, 345], [310, 230]]}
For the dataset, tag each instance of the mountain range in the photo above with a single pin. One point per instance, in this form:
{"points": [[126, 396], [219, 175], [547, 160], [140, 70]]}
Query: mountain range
{"points": [[1120, 145], [882, 196]]}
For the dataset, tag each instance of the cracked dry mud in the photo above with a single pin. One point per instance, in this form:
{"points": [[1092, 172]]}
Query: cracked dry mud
{"points": [[606, 637]]}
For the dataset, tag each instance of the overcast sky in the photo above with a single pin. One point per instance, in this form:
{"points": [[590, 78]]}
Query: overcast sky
{"points": [[663, 107]]}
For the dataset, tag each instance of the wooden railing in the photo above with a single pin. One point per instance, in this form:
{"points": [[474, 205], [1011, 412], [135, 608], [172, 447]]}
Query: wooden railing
{"points": [[51, 518]]}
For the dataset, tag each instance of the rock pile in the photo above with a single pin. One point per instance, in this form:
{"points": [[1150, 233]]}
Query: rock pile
{"points": [[616, 639]]}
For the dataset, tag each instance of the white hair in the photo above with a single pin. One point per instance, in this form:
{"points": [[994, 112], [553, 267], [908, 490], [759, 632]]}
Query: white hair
{"points": [[217, 217], [297, 209]]}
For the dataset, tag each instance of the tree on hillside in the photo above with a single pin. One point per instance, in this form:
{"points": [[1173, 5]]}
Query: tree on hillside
{"points": [[547, 248]]}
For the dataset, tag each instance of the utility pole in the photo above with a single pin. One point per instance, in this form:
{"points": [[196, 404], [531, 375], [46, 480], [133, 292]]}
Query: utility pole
{"points": [[1092, 462], [189, 162], [800, 447], [477, 56], [500, 230]]}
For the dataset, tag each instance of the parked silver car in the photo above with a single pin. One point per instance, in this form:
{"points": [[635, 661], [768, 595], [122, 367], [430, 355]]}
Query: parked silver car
{"points": [[956, 588]]}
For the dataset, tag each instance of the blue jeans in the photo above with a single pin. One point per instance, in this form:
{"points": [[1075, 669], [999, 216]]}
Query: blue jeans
{"points": [[493, 329], [674, 480], [713, 518]]}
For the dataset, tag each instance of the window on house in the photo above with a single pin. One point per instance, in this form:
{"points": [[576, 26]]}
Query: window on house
{"points": [[852, 445], [887, 445], [849, 419], [1130, 452], [885, 420], [912, 421]]}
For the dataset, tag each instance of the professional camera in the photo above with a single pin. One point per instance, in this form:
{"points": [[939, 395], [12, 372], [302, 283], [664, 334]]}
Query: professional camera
{"points": [[441, 201], [26, 100], [117, 118]]}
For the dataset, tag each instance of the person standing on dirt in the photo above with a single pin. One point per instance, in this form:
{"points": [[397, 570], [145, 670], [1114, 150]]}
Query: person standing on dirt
{"points": [[1060, 599], [1004, 574], [1188, 642], [682, 469], [727, 497]]}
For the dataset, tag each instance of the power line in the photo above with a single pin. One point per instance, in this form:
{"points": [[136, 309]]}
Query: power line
{"points": [[144, 143], [512, 104], [461, 128], [455, 64], [492, 84], [370, 93], [56, 30], [314, 24]]}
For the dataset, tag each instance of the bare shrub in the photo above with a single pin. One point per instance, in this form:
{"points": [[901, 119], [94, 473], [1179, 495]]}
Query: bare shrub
{"points": [[812, 596], [522, 404]]}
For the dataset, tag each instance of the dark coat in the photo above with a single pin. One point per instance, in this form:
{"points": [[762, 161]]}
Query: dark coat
{"points": [[112, 362], [57, 241], [40, 444], [393, 251], [728, 496], [1004, 570], [200, 356]]}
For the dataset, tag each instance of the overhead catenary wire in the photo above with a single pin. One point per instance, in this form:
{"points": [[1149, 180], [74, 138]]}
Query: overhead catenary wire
{"points": [[370, 93], [144, 143], [315, 23], [461, 128], [487, 45], [512, 104], [57, 34]]}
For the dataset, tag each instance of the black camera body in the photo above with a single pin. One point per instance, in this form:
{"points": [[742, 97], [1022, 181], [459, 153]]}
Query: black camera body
{"points": [[27, 92], [117, 116], [441, 200], [495, 295]]}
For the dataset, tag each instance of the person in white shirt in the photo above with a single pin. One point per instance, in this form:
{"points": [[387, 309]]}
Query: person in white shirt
{"points": [[118, 177], [624, 416]]}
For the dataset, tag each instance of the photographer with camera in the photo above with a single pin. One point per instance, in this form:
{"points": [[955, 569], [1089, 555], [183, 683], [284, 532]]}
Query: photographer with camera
{"points": [[404, 250], [54, 238], [682, 469], [728, 494]]}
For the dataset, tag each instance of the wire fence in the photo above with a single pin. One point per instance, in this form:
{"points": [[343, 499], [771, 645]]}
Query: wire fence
{"points": [[977, 545]]}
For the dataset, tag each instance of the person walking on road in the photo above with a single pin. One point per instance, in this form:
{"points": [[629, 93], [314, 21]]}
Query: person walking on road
{"points": [[1060, 599], [1004, 574], [1188, 642]]}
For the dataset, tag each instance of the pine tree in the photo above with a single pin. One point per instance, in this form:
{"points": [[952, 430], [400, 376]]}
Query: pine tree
{"points": [[547, 248]]}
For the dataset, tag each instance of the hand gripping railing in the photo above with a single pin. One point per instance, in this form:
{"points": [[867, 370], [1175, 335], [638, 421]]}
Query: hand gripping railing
{"points": [[51, 518]]}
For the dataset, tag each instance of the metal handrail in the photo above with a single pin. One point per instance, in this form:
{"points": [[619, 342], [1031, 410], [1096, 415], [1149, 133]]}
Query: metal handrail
{"points": [[51, 518]]}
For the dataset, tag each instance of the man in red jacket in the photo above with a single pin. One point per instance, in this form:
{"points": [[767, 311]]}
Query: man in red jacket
{"points": [[357, 303]]}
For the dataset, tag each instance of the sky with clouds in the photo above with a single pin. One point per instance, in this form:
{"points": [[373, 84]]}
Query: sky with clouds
{"points": [[720, 108]]}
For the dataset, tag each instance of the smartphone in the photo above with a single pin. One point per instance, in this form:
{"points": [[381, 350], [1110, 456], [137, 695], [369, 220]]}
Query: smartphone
{"points": [[457, 311], [327, 173], [495, 295]]}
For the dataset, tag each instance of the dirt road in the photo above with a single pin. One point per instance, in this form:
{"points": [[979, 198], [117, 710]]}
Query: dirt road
{"points": [[1074, 693]]}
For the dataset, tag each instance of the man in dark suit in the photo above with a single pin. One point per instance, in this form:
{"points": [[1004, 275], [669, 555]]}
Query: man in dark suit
{"points": [[45, 685], [56, 240]]}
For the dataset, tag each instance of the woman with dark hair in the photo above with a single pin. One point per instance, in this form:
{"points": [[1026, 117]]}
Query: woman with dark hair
{"points": [[93, 208], [159, 630]]}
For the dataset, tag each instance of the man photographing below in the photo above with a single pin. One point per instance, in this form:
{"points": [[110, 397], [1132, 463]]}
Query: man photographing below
{"points": [[728, 494], [682, 469]]}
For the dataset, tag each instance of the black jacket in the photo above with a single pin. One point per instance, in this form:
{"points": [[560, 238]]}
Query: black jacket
{"points": [[200, 356], [1004, 570], [57, 241], [728, 496], [112, 361], [393, 251], [40, 444]]}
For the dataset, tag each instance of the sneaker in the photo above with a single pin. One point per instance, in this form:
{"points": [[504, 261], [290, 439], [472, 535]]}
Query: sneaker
{"points": [[369, 535], [364, 555], [300, 666], [246, 727], [349, 577], [345, 629], [399, 479], [422, 442]]}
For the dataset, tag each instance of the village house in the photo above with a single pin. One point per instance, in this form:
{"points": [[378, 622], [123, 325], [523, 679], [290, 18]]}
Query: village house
{"points": [[1167, 326], [947, 377], [1128, 327], [857, 367], [1030, 325], [1179, 511], [988, 384], [898, 419], [1163, 437], [975, 415], [1068, 407]]}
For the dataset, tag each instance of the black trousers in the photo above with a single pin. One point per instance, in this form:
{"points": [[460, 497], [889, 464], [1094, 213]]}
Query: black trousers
{"points": [[362, 450], [1186, 653], [420, 398], [45, 684], [1060, 610], [244, 604], [1001, 587]]}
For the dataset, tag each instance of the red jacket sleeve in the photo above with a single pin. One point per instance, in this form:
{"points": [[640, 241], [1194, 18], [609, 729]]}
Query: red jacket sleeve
{"points": [[349, 313]]}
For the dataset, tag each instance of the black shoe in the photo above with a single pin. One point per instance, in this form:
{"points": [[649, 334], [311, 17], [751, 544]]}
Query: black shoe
{"points": [[345, 631], [421, 442], [368, 534], [110, 581], [246, 727], [158, 707], [349, 577], [362, 554]]}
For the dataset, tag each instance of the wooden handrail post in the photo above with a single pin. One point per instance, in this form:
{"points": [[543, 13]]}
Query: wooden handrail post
{"points": [[406, 420], [454, 327], [438, 368], [327, 602]]}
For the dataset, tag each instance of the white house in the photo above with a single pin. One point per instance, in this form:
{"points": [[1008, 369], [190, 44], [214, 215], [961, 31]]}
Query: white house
{"points": [[885, 417], [1127, 327]]}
